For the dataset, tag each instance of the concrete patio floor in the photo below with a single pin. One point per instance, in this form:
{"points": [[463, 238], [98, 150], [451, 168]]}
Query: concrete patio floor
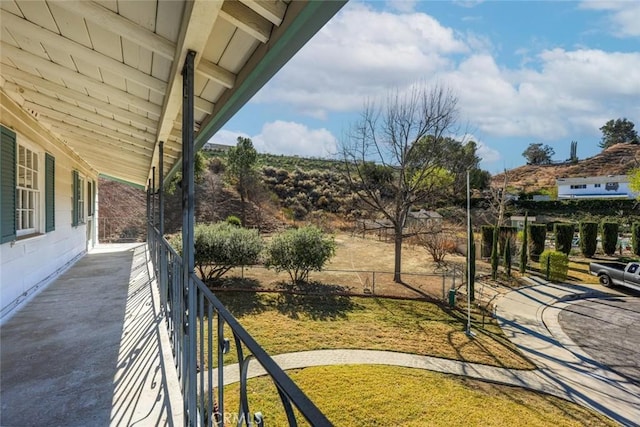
{"points": [[91, 349]]}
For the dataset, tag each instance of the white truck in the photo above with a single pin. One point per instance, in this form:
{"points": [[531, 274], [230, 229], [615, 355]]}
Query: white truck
{"points": [[618, 274]]}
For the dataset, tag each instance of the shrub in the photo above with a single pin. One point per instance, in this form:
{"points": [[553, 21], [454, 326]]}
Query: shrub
{"points": [[233, 220], [220, 247], [524, 256], [506, 233], [537, 234], [486, 232], [494, 254], [557, 263], [299, 251], [635, 238], [609, 237], [564, 237], [588, 238]]}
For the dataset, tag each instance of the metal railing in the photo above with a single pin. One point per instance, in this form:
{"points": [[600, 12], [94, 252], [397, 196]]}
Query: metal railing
{"points": [[212, 345]]}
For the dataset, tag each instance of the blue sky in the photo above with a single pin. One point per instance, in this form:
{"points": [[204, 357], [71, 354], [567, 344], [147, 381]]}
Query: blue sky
{"points": [[524, 72]]}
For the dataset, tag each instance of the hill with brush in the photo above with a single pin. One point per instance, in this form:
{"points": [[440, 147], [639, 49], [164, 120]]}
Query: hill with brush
{"points": [[618, 159]]}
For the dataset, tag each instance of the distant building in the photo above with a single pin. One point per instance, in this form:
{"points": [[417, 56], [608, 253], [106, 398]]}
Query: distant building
{"points": [[518, 221], [423, 218], [210, 146], [595, 187]]}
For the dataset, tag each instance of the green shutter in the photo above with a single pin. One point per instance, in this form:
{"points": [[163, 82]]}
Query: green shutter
{"points": [[50, 192], [75, 211], [7, 185]]}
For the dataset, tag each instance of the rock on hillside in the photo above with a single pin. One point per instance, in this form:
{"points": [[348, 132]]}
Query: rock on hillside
{"points": [[618, 159]]}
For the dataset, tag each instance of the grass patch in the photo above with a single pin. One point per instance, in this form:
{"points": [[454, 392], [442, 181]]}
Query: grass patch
{"points": [[359, 395], [284, 323]]}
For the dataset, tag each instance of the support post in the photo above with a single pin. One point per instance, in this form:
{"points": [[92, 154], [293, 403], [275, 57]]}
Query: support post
{"points": [[188, 225], [163, 274]]}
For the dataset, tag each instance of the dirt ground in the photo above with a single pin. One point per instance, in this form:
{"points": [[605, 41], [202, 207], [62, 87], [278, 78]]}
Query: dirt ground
{"points": [[365, 266]]}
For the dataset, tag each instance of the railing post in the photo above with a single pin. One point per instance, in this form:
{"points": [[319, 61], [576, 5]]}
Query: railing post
{"points": [[188, 225], [163, 255]]}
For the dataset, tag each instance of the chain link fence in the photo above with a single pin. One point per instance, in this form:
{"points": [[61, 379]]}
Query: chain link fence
{"points": [[355, 282]]}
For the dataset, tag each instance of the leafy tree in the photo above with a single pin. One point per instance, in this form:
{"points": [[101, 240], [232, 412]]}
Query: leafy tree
{"points": [[299, 251], [221, 246], [471, 269], [199, 172], [538, 235], [634, 181], [507, 258], [588, 238], [609, 237], [538, 154], [405, 135], [635, 238], [618, 131], [524, 257], [494, 255], [242, 161], [564, 237]]}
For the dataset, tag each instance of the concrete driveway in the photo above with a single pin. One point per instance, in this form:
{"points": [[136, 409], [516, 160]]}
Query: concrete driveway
{"points": [[530, 316], [608, 329]]}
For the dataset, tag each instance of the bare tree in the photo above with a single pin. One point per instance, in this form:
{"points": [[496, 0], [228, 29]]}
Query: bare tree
{"points": [[394, 156]]}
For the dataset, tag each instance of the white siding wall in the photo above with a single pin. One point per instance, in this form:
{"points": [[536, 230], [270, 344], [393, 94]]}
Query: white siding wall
{"points": [[565, 191], [29, 264]]}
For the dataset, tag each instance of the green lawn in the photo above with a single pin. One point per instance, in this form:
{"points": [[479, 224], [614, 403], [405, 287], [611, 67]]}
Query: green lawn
{"points": [[284, 323], [359, 395]]}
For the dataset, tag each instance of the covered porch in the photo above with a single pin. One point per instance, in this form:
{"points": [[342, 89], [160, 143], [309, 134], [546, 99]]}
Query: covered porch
{"points": [[92, 349], [128, 90]]}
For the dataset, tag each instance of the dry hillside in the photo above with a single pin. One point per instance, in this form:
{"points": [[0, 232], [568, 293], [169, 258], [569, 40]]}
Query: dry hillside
{"points": [[616, 160]]}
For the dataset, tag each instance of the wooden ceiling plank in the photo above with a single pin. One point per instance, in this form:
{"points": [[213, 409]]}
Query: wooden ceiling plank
{"points": [[70, 47], [64, 73], [246, 20], [107, 148], [273, 10], [74, 134], [88, 126], [79, 97], [64, 107], [121, 26], [37, 12], [203, 105]]}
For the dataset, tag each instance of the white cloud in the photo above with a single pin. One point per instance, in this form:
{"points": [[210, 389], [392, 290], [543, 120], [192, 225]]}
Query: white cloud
{"points": [[362, 53], [553, 94], [282, 137], [623, 18]]}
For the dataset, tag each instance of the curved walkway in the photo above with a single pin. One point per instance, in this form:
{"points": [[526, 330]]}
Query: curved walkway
{"points": [[529, 318]]}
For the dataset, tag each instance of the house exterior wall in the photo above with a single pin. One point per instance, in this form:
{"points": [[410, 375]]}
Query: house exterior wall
{"points": [[595, 187], [29, 263]]}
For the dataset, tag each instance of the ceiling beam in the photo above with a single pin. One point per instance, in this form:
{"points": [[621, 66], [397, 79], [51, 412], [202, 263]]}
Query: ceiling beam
{"points": [[63, 44], [197, 21], [246, 20], [19, 55], [82, 98], [203, 105], [120, 25], [273, 10], [216, 73]]}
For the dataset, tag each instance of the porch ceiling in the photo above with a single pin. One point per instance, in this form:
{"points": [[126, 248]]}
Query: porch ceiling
{"points": [[104, 76]]}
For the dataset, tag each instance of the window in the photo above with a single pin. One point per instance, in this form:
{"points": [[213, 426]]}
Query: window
{"points": [[78, 199], [597, 185], [578, 186], [27, 192]]}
